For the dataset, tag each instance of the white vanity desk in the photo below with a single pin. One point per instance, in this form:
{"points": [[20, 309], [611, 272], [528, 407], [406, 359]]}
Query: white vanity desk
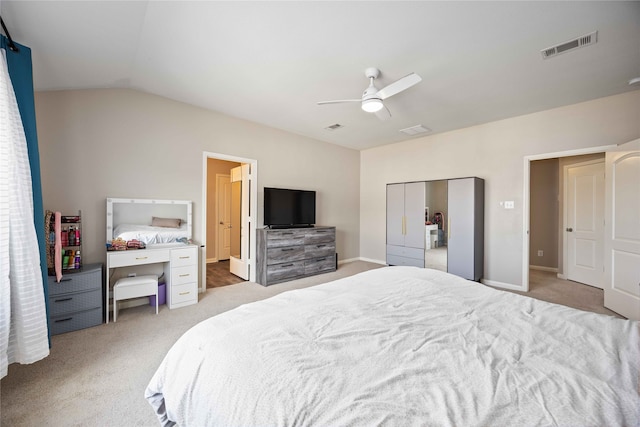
{"points": [[178, 261]]}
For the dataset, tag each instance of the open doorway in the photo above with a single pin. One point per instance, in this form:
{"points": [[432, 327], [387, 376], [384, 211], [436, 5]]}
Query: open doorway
{"points": [[229, 198]]}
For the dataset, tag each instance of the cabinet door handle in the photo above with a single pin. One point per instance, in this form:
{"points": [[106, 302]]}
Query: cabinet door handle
{"points": [[142, 257], [64, 320], [404, 225], [449, 228], [64, 299], [185, 293]]}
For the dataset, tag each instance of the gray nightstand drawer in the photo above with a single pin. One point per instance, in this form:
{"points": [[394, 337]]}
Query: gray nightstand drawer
{"points": [[75, 321], [77, 301], [88, 279], [284, 271], [285, 254], [312, 266]]}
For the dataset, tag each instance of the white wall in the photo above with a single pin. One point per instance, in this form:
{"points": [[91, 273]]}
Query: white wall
{"points": [[495, 152], [124, 143]]}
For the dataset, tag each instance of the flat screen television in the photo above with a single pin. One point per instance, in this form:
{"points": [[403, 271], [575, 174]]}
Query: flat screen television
{"points": [[285, 208]]}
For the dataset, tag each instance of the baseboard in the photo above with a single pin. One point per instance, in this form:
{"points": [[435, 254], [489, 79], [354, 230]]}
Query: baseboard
{"points": [[497, 284], [561, 276], [210, 260], [541, 268]]}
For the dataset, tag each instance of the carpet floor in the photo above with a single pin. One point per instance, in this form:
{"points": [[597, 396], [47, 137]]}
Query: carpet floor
{"points": [[97, 376]]}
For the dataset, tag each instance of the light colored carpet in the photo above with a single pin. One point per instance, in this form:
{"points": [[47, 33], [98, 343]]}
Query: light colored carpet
{"points": [[97, 376]]}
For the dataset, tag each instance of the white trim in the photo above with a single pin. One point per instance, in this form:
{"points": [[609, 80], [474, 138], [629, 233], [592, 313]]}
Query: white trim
{"points": [[542, 268], [253, 215], [525, 200], [375, 261], [562, 276], [211, 260], [347, 261], [496, 284], [565, 211]]}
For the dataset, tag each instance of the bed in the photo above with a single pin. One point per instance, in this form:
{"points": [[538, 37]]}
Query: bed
{"points": [[401, 346], [151, 235]]}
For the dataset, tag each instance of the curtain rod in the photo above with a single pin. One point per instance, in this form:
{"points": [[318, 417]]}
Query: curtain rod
{"points": [[12, 45]]}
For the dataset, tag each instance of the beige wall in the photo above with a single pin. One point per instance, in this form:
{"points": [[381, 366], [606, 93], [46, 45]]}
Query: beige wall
{"points": [[544, 216], [493, 151], [124, 143]]}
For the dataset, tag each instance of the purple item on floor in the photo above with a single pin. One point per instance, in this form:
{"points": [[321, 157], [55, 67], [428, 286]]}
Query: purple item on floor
{"points": [[162, 295]]}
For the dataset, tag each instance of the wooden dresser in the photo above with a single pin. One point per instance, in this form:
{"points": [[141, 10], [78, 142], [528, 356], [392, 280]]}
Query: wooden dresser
{"points": [[292, 253]]}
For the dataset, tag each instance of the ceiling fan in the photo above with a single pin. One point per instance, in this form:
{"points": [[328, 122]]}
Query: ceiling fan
{"points": [[372, 97]]}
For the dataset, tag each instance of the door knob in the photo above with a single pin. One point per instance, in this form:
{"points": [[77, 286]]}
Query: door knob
{"points": [[569, 229], [221, 223]]}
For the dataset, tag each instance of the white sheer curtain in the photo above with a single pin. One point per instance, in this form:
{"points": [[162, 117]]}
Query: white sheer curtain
{"points": [[23, 318]]}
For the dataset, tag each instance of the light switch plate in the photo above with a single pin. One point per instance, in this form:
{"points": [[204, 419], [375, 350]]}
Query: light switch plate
{"points": [[509, 204]]}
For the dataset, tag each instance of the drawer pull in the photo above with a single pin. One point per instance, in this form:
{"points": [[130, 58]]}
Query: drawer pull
{"points": [[288, 232], [64, 299], [142, 257], [287, 265], [185, 293], [321, 246], [185, 257], [65, 280], [185, 275], [322, 231], [64, 320], [286, 249]]}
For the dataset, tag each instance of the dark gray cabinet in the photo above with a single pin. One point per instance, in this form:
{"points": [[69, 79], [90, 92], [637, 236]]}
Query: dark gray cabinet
{"points": [[465, 229], [292, 253], [76, 301]]}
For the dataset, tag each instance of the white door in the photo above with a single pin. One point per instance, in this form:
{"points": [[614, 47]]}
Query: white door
{"points": [[239, 261], [584, 226], [622, 231], [223, 199]]}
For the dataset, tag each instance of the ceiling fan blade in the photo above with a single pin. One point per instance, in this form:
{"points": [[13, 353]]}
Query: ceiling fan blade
{"points": [[383, 114], [339, 101], [399, 85]]}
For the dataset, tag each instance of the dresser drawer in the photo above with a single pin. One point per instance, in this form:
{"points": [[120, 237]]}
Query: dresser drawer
{"points": [[320, 235], [319, 250], [88, 279], [285, 254], [74, 321], [186, 274], [186, 292], [137, 257], [403, 261], [406, 252], [284, 271], [185, 256], [312, 266], [279, 238], [77, 301]]}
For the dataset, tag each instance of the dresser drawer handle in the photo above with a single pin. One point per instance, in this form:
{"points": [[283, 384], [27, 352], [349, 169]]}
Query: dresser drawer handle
{"points": [[322, 231], [185, 275], [65, 280], [321, 246], [286, 249], [64, 320], [185, 293], [287, 265], [287, 233], [142, 257], [185, 257], [64, 299]]}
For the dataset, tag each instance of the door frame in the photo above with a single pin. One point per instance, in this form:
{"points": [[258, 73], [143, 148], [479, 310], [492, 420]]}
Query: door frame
{"points": [[565, 216], [253, 213], [219, 238], [526, 201]]}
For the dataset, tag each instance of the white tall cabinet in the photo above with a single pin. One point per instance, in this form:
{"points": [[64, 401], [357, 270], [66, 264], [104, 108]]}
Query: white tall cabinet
{"points": [[465, 229], [405, 224]]}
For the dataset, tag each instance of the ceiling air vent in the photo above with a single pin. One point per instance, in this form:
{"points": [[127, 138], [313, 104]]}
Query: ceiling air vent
{"points": [[334, 127], [581, 41], [415, 130]]}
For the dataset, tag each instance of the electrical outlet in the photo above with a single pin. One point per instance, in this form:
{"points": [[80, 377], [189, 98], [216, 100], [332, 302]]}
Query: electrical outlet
{"points": [[509, 204], [540, 253]]}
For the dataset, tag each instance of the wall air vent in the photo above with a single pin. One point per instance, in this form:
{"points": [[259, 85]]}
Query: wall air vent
{"points": [[586, 40], [334, 127], [415, 130]]}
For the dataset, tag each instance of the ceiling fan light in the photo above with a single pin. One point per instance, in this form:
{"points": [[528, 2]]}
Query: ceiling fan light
{"points": [[372, 105]]}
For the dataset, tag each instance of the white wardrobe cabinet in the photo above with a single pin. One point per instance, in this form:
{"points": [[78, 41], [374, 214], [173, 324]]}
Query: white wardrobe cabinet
{"points": [[405, 224], [465, 228]]}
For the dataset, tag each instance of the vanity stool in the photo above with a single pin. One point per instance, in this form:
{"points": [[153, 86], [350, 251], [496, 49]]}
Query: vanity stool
{"points": [[134, 287]]}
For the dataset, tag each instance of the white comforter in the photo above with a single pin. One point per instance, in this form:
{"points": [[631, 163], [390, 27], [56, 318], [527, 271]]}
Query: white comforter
{"points": [[401, 346], [151, 235]]}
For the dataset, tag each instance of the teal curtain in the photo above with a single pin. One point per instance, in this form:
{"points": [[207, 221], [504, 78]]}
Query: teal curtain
{"points": [[21, 73]]}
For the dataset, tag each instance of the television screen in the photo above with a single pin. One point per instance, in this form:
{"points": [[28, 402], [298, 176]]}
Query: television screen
{"points": [[289, 208]]}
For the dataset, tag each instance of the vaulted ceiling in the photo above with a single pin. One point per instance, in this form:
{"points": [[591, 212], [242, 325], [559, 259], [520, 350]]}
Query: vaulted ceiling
{"points": [[271, 62]]}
